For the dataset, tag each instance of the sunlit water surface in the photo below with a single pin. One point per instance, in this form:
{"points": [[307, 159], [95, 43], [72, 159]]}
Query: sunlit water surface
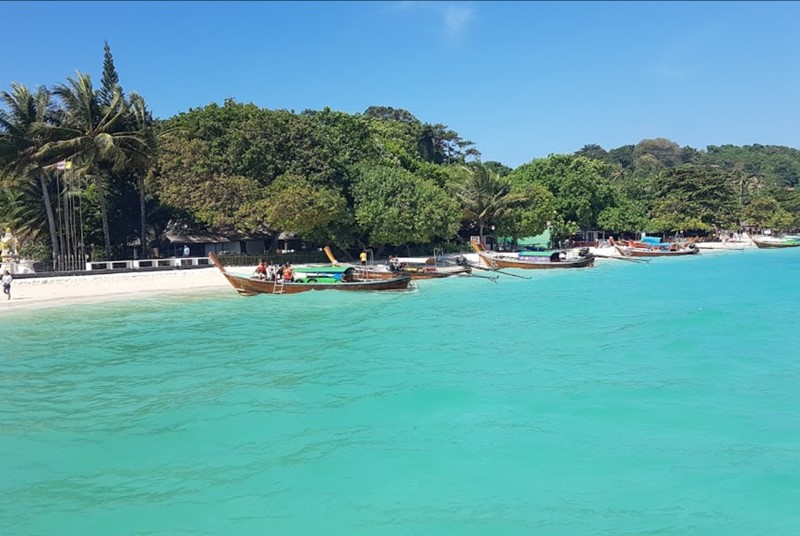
{"points": [[626, 399]]}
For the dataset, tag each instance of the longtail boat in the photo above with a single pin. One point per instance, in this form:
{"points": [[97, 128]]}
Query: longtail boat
{"points": [[646, 249], [413, 267], [558, 259], [771, 242], [309, 278], [413, 271]]}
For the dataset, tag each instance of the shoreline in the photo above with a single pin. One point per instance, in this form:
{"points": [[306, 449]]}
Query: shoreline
{"points": [[61, 291], [31, 294]]}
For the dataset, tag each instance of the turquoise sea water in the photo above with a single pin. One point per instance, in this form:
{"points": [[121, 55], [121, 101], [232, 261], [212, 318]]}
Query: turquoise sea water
{"points": [[659, 399]]}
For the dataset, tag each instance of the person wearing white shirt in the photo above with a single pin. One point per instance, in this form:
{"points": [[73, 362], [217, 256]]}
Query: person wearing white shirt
{"points": [[7, 283]]}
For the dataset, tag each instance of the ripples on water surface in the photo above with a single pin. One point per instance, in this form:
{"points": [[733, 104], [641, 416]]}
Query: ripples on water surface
{"points": [[626, 399]]}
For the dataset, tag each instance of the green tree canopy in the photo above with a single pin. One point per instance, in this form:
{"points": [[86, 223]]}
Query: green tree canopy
{"points": [[395, 207], [624, 216], [292, 203], [487, 199], [692, 197], [531, 210], [110, 80], [579, 185], [777, 165], [20, 143], [766, 213], [92, 136]]}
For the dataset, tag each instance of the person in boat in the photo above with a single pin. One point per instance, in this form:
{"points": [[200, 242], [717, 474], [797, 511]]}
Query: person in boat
{"points": [[393, 264], [261, 270], [287, 273], [363, 257]]}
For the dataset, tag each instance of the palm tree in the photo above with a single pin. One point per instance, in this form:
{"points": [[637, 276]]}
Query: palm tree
{"points": [[93, 136], [485, 196], [20, 143], [22, 210], [143, 156], [744, 182]]}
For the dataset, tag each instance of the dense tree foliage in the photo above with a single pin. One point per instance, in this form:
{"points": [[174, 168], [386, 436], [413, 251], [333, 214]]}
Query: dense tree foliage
{"points": [[675, 188], [20, 142], [623, 215], [110, 81], [396, 207], [688, 198], [766, 213], [580, 187], [90, 134], [381, 178], [490, 200], [294, 204], [777, 166], [530, 214]]}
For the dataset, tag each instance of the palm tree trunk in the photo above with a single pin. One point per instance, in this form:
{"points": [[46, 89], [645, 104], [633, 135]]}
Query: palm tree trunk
{"points": [[741, 195], [101, 201], [51, 220], [142, 217]]}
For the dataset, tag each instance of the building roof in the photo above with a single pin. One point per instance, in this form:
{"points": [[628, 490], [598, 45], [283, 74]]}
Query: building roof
{"points": [[195, 237]]}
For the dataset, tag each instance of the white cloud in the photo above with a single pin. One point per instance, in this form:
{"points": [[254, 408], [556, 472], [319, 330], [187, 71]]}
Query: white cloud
{"points": [[670, 72], [405, 5], [679, 57], [455, 17], [456, 20]]}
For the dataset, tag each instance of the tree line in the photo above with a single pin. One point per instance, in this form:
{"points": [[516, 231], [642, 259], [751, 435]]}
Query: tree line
{"points": [[83, 165]]}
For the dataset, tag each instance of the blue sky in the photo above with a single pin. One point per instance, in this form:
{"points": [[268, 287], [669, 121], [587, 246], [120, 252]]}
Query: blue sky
{"points": [[520, 79]]}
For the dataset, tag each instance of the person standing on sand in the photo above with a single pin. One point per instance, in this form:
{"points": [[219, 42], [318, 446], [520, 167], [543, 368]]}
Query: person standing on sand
{"points": [[7, 283], [186, 250]]}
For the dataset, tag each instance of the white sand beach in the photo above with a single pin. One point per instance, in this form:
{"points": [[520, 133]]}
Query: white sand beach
{"points": [[42, 292], [45, 292]]}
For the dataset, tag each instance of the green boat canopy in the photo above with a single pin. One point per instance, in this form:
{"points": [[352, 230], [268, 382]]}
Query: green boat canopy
{"points": [[321, 269]]}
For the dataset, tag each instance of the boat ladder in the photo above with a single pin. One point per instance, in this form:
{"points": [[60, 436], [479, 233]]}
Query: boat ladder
{"points": [[277, 288], [438, 254]]}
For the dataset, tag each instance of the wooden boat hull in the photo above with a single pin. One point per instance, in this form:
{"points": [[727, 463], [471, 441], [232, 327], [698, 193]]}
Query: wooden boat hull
{"points": [[633, 248], [634, 252], [535, 264], [724, 246], [250, 287], [775, 245], [428, 272], [436, 273], [247, 286]]}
